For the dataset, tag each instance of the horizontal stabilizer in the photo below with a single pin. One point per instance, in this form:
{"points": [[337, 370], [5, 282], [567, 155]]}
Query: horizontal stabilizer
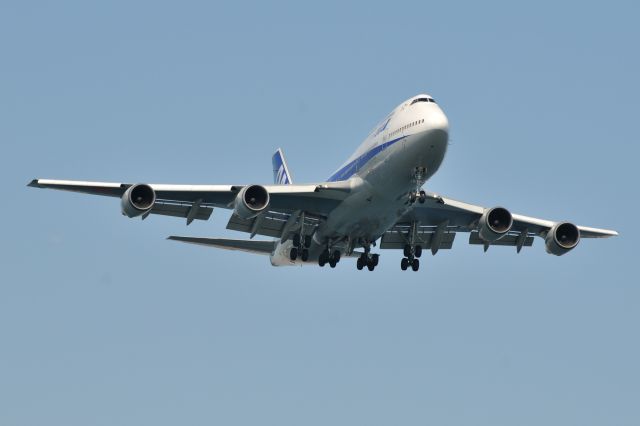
{"points": [[260, 247]]}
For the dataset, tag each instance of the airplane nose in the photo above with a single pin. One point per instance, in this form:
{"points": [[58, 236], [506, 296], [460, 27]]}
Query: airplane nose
{"points": [[436, 120]]}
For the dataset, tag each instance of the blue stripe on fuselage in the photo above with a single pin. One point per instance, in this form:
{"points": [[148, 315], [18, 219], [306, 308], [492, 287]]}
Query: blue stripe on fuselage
{"points": [[347, 171]]}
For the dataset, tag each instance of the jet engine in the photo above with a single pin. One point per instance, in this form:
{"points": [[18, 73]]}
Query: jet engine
{"points": [[562, 238], [251, 201], [137, 200], [494, 224]]}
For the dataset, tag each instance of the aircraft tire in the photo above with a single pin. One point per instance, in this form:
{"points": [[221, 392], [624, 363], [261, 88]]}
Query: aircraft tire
{"points": [[293, 254], [415, 265], [404, 263]]}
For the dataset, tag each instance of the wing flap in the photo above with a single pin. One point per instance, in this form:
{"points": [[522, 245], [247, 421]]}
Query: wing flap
{"points": [[181, 210], [398, 237], [271, 224], [508, 240]]}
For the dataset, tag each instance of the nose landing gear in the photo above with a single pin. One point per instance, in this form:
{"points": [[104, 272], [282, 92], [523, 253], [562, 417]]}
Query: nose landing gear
{"points": [[419, 176]]}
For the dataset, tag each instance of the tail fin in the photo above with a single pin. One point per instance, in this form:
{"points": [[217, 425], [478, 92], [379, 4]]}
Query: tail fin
{"points": [[281, 173]]}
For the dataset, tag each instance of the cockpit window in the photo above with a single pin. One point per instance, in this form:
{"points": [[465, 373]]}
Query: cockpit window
{"points": [[423, 100]]}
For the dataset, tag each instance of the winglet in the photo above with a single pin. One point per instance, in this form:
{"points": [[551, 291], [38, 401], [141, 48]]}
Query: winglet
{"points": [[34, 184]]}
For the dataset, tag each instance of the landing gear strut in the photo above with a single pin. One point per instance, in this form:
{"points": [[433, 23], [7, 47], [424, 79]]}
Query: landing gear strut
{"points": [[412, 251], [419, 177]]}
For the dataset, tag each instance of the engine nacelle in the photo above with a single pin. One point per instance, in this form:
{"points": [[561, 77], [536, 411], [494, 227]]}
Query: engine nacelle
{"points": [[251, 201], [137, 200], [494, 224], [562, 238]]}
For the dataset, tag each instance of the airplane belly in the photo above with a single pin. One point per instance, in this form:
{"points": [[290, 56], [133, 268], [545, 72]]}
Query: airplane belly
{"points": [[366, 214], [387, 180]]}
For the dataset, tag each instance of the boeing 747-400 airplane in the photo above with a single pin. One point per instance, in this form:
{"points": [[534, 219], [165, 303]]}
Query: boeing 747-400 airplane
{"points": [[375, 195]]}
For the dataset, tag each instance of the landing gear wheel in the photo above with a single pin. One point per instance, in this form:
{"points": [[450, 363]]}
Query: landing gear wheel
{"points": [[418, 251], [293, 254], [407, 250], [423, 197], [307, 241], [296, 240], [404, 263], [371, 266], [305, 255], [332, 263], [323, 258], [375, 259], [359, 264], [415, 265], [336, 256]]}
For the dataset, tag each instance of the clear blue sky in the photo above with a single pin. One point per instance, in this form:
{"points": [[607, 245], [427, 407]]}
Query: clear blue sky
{"points": [[103, 322]]}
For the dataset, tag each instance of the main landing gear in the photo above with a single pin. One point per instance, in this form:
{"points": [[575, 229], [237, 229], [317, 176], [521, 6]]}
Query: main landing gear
{"points": [[327, 257], [368, 260], [300, 247], [411, 257]]}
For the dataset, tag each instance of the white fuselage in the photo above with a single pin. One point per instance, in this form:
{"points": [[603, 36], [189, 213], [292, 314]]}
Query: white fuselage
{"points": [[397, 157]]}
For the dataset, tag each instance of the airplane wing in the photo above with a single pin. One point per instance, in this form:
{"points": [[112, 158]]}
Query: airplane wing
{"points": [[435, 223], [258, 247], [197, 202]]}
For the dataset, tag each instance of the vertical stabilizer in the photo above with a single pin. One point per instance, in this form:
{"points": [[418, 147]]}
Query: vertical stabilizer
{"points": [[281, 173]]}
